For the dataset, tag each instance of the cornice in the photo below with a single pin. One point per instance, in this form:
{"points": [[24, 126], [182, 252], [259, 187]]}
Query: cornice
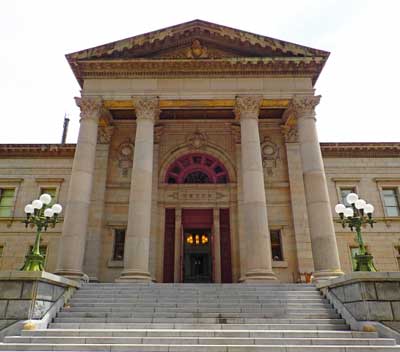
{"points": [[361, 150], [37, 150], [173, 68]]}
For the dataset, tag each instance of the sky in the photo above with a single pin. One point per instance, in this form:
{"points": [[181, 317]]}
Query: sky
{"points": [[359, 84]]}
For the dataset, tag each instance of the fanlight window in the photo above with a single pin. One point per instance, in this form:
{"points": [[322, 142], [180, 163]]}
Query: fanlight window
{"points": [[197, 168]]}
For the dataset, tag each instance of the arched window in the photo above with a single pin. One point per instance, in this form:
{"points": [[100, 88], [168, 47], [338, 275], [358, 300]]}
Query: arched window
{"points": [[197, 168]]}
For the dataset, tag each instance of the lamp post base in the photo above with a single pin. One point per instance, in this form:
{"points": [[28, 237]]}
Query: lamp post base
{"points": [[364, 262], [33, 262]]}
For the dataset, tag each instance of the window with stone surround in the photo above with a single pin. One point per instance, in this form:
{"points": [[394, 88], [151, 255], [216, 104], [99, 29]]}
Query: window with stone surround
{"points": [[276, 245], [52, 191], [391, 201], [119, 244], [1, 250], [7, 196], [344, 192]]}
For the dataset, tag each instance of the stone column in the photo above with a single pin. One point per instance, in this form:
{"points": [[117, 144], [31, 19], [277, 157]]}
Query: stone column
{"points": [[217, 246], [322, 232], [73, 238], [178, 245], [137, 241], [258, 242]]}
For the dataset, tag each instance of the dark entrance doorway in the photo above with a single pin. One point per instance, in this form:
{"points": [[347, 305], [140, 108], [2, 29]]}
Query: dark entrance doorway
{"points": [[197, 256]]}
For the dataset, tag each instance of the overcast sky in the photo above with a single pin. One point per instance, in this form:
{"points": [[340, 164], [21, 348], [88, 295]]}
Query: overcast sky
{"points": [[359, 84]]}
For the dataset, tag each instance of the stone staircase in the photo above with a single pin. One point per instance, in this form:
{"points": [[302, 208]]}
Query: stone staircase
{"points": [[198, 317]]}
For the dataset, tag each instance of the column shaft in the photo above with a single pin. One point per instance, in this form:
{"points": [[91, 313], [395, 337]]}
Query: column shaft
{"points": [[217, 246], [137, 242], [322, 232], [258, 253], [73, 238]]}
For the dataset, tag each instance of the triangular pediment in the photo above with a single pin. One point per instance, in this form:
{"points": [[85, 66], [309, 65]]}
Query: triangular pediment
{"points": [[197, 48], [196, 39]]}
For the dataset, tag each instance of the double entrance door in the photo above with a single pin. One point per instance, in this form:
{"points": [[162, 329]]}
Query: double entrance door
{"points": [[197, 256], [197, 249]]}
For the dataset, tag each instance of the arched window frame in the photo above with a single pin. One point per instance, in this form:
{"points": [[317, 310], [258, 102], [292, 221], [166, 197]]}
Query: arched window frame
{"points": [[205, 163]]}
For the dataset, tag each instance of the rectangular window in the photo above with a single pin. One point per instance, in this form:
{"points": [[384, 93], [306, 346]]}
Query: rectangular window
{"points": [[119, 244], [6, 201], [344, 192], [52, 192], [1, 250], [276, 245], [391, 201]]}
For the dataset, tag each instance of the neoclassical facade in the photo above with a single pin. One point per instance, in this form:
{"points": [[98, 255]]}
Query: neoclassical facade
{"points": [[198, 160]]}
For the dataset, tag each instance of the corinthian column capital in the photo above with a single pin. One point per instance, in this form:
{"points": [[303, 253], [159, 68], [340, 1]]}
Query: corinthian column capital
{"points": [[91, 107], [305, 105], [248, 106], [147, 108]]}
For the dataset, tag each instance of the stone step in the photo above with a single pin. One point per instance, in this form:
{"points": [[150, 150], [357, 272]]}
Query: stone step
{"points": [[185, 326], [199, 333], [275, 302], [201, 320], [196, 301], [191, 308], [197, 348], [198, 293], [196, 340], [328, 313]]}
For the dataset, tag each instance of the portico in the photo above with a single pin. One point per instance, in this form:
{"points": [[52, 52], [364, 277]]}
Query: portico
{"points": [[193, 154]]}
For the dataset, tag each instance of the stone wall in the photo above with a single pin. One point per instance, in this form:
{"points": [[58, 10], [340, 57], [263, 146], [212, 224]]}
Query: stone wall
{"points": [[367, 296], [30, 295]]}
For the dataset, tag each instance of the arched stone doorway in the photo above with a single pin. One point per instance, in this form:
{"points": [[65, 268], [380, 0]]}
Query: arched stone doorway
{"points": [[197, 237]]}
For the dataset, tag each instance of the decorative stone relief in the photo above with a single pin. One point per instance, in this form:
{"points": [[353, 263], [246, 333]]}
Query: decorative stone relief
{"points": [[91, 107], [270, 155], [158, 132], [290, 133], [248, 106], [197, 139], [146, 107], [197, 50], [304, 105], [104, 134], [235, 128], [125, 157]]}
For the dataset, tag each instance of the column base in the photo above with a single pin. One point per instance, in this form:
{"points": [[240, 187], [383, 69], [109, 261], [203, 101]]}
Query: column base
{"points": [[323, 275], [259, 276], [134, 276], [73, 275]]}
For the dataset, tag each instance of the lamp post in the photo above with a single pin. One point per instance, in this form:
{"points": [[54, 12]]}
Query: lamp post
{"points": [[40, 214], [358, 214]]}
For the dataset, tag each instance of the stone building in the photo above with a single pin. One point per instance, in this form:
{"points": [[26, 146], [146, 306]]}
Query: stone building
{"points": [[198, 161]]}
